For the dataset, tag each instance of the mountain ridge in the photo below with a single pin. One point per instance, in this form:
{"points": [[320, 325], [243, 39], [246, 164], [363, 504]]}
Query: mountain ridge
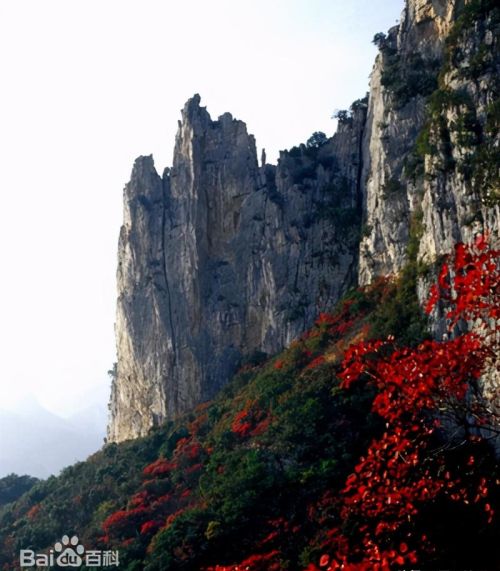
{"points": [[37, 442]]}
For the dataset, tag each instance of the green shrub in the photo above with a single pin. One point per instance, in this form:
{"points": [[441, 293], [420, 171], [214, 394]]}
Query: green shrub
{"points": [[393, 187], [408, 77], [13, 487]]}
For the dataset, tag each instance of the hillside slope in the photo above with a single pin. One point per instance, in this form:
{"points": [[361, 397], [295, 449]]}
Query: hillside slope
{"points": [[329, 453]]}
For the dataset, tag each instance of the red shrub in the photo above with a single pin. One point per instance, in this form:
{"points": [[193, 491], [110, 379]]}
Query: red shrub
{"points": [[318, 361], [160, 467], [398, 473], [149, 527], [123, 522]]}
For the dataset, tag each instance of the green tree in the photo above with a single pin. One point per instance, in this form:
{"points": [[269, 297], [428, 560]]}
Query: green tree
{"points": [[316, 140]]}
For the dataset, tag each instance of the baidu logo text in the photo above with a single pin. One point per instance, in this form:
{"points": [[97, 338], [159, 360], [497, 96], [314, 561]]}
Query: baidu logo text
{"points": [[68, 552]]}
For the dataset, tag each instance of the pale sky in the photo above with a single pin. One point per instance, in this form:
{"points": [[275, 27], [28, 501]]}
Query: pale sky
{"points": [[87, 86]]}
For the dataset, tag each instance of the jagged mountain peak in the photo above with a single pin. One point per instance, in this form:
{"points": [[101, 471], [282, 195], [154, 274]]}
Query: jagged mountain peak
{"points": [[221, 259]]}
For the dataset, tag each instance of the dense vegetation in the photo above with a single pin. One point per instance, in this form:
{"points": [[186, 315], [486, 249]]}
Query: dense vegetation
{"points": [[334, 452], [13, 487]]}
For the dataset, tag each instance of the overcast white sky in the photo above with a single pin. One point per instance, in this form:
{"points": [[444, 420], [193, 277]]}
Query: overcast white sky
{"points": [[88, 85]]}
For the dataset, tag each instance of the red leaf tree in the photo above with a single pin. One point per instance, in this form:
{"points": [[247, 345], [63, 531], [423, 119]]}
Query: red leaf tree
{"points": [[417, 390]]}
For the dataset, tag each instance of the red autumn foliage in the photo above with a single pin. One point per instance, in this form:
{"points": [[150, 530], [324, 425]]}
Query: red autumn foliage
{"points": [[251, 421], [317, 362], [326, 319], [200, 420], [469, 283], [149, 527], [193, 469], [34, 511], [123, 521], [261, 427], [188, 451], [338, 324], [138, 500], [193, 451], [147, 508], [398, 474], [173, 516], [163, 501], [259, 562], [241, 425], [278, 528], [160, 467]]}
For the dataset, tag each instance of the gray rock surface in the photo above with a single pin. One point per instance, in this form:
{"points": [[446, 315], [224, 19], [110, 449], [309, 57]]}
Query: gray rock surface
{"points": [[439, 194], [220, 259]]}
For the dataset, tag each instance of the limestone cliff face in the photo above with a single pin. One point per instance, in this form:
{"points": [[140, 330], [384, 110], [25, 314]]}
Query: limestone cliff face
{"points": [[431, 135], [220, 259]]}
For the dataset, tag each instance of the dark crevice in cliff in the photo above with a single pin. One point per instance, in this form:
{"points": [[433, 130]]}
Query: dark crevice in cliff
{"points": [[165, 272], [359, 173]]}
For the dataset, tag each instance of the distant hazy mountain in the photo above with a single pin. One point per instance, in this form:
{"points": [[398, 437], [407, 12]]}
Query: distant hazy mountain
{"points": [[36, 442]]}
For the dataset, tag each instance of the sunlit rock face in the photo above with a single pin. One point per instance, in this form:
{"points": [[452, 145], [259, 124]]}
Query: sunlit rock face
{"points": [[221, 258], [429, 103]]}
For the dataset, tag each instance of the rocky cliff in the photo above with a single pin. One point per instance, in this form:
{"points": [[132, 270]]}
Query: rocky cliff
{"points": [[430, 154], [222, 260]]}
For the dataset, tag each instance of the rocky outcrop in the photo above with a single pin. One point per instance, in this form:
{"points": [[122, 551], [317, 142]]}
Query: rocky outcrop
{"points": [[430, 135], [221, 260]]}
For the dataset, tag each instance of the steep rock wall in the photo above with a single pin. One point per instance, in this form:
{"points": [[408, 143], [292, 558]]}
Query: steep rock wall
{"points": [[220, 259], [432, 128]]}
